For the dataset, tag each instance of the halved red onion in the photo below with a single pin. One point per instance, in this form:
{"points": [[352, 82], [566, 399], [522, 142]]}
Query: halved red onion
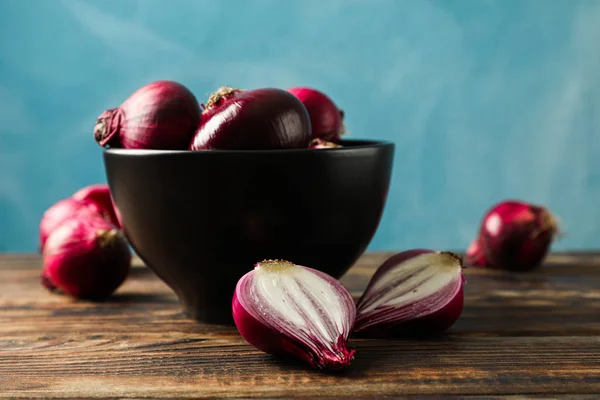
{"points": [[286, 309], [414, 292]]}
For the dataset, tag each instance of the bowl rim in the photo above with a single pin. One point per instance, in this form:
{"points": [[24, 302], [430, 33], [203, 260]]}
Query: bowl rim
{"points": [[359, 144]]}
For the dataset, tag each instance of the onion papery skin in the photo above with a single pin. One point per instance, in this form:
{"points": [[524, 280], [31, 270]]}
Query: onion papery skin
{"points": [[326, 119], [65, 209], [86, 258], [260, 119], [268, 329], [99, 194], [161, 115], [474, 255], [47, 283], [414, 293], [516, 235]]}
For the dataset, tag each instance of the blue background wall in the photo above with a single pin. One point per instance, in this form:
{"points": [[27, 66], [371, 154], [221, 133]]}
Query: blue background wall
{"points": [[486, 99]]}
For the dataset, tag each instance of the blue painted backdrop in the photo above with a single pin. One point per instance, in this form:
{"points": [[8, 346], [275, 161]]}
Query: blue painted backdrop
{"points": [[486, 99]]}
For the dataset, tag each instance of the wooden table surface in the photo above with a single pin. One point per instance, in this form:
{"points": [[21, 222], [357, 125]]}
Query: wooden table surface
{"points": [[530, 335]]}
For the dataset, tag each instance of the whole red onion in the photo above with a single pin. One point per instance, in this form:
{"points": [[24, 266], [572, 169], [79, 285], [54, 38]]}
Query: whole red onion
{"points": [[160, 115], [516, 235], [290, 310], [86, 258], [99, 194], [64, 209], [474, 254], [416, 292], [326, 119], [260, 119], [46, 282]]}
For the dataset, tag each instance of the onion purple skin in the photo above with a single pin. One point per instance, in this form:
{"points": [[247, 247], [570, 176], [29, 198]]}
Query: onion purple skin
{"points": [[265, 339], [525, 237], [474, 254], [261, 119], [62, 210], [99, 194], [430, 325], [326, 119], [161, 115], [77, 263], [426, 326], [47, 283]]}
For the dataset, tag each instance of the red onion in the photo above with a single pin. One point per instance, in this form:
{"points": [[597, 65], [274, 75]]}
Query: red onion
{"points": [[160, 115], [46, 282], [416, 292], [516, 235], [86, 258], [260, 119], [99, 194], [62, 210], [322, 144], [474, 255], [286, 309], [326, 119]]}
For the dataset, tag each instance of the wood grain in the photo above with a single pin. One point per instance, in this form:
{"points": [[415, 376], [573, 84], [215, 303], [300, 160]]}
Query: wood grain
{"points": [[520, 336]]}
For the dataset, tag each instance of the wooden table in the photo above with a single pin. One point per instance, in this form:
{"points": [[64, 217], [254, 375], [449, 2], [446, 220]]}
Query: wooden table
{"points": [[520, 335]]}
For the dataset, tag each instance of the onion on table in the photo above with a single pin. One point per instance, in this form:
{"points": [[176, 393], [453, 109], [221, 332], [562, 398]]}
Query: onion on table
{"points": [[513, 235], [290, 310], [99, 194], [86, 257], [417, 292], [64, 209]]}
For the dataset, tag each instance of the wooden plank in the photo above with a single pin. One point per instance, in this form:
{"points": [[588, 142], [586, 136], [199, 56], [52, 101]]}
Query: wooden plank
{"points": [[188, 366], [570, 396], [520, 335]]}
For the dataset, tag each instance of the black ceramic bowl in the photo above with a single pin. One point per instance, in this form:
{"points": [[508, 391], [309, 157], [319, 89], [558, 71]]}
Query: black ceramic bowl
{"points": [[202, 219]]}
